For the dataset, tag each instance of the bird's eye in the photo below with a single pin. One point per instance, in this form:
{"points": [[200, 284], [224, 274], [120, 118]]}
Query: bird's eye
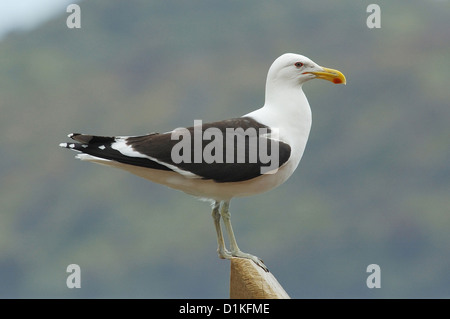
{"points": [[298, 64]]}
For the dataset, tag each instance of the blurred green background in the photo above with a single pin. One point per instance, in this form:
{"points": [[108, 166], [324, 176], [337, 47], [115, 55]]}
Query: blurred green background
{"points": [[372, 187]]}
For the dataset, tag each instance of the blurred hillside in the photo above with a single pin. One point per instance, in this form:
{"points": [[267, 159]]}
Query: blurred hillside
{"points": [[372, 187]]}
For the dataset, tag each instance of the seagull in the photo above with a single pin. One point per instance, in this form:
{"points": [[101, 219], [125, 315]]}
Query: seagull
{"points": [[218, 161]]}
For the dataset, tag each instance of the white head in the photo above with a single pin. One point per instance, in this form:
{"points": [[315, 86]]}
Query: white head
{"points": [[294, 69]]}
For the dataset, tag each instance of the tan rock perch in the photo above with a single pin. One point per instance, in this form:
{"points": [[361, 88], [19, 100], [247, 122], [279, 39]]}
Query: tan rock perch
{"points": [[249, 281]]}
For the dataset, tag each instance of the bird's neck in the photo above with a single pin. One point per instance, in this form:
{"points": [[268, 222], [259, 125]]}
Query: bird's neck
{"points": [[288, 102], [288, 107]]}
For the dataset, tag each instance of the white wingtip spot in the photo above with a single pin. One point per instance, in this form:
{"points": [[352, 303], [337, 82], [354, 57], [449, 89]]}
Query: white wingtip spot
{"points": [[102, 147], [63, 144], [70, 135], [72, 145], [87, 157]]}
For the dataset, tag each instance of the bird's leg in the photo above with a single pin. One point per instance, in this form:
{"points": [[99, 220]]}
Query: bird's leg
{"points": [[222, 251], [235, 251]]}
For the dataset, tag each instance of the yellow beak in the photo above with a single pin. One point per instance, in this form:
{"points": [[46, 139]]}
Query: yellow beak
{"points": [[332, 75]]}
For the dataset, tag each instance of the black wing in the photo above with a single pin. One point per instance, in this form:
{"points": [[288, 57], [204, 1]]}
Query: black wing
{"points": [[230, 151]]}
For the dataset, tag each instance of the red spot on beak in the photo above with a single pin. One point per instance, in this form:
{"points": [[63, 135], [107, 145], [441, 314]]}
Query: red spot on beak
{"points": [[337, 80]]}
